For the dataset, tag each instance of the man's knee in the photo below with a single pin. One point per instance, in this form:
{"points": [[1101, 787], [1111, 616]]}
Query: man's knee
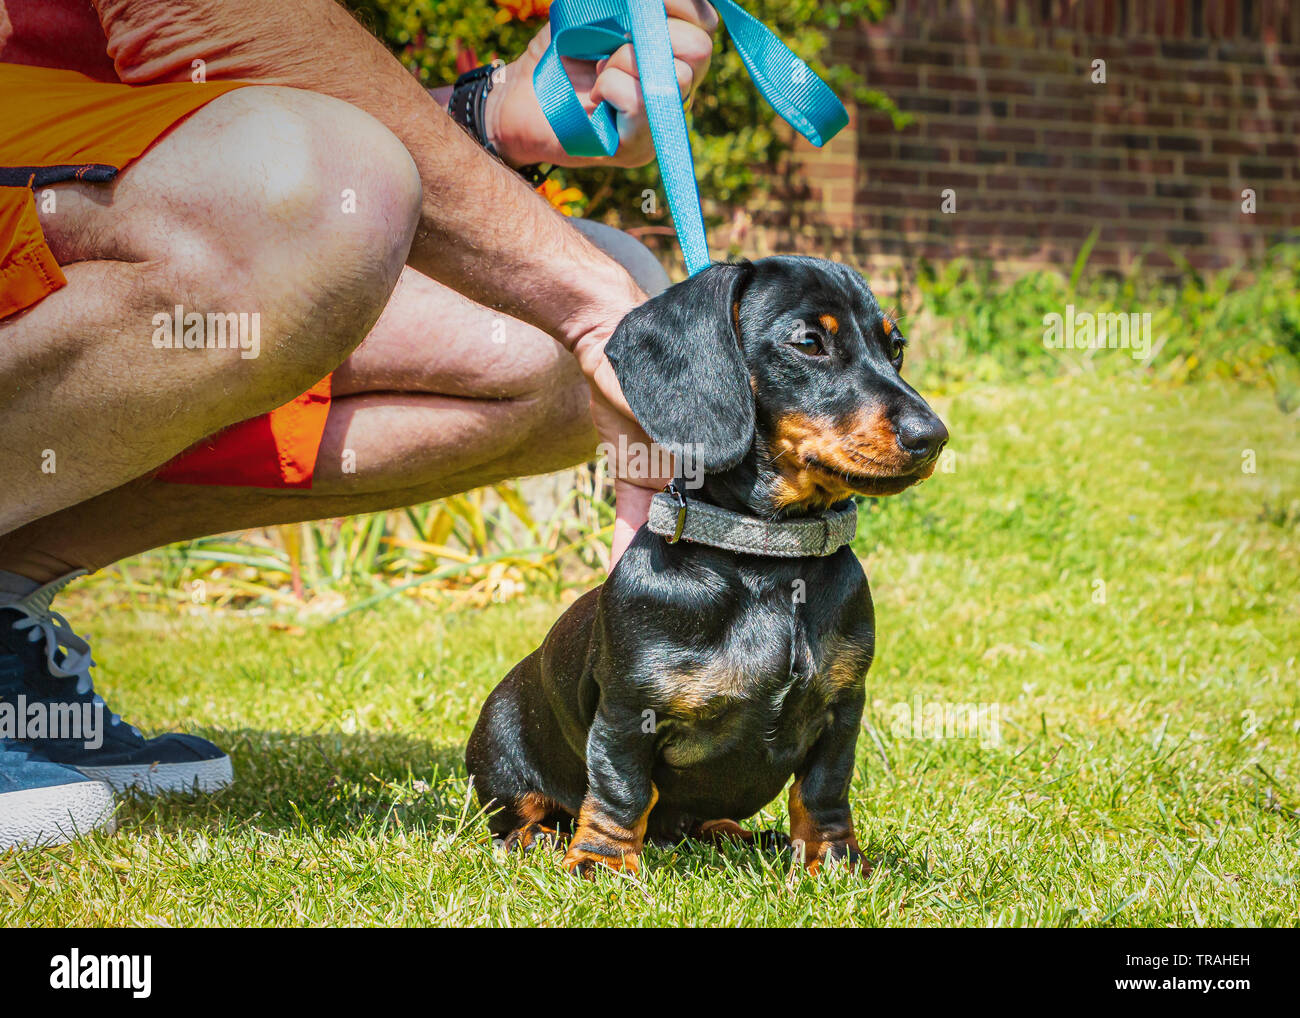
{"points": [[287, 204], [299, 167], [331, 200]]}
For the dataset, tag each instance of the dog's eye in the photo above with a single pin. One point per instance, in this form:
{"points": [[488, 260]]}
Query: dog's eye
{"points": [[809, 343], [896, 352]]}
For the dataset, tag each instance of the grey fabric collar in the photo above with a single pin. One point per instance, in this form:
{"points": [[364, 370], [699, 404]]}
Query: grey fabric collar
{"points": [[680, 519]]}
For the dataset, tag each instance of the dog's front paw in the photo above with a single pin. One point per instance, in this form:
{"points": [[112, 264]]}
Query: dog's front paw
{"points": [[584, 861], [602, 839], [816, 854]]}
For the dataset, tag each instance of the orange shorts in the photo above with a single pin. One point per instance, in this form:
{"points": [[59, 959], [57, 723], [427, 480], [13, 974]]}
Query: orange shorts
{"points": [[58, 125]]}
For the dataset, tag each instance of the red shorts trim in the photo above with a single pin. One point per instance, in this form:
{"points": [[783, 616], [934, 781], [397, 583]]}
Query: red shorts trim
{"points": [[28, 271], [276, 450], [58, 125]]}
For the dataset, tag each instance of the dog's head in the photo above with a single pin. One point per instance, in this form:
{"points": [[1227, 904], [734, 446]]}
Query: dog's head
{"points": [[782, 377]]}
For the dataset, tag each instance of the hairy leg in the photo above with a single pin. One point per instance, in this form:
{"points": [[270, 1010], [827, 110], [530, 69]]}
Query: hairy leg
{"points": [[235, 209], [443, 395]]}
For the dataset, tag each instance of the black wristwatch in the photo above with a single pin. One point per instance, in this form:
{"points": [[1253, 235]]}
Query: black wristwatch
{"points": [[467, 105]]}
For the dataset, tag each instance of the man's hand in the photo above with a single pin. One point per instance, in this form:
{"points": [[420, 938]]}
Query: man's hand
{"points": [[520, 131], [613, 417]]}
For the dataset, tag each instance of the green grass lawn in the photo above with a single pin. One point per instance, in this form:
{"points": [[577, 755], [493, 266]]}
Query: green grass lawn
{"points": [[1096, 574]]}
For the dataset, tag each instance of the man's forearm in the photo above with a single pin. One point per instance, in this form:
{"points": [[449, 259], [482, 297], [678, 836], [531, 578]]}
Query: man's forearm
{"points": [[483, 231]]}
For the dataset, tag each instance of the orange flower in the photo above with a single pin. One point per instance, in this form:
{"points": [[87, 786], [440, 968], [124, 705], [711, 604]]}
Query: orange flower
{"points": [[560, 196], [522, 10]]}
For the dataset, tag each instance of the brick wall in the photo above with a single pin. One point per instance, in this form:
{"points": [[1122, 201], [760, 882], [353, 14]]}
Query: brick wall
{"points": [[1201, 101]]}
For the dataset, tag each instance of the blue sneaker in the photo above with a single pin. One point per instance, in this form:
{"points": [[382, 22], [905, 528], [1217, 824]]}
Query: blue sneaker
{"points": [[42, 803], [45, 677]]}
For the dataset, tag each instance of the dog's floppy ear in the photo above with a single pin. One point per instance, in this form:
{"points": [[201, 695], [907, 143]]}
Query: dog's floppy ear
{"points": [[678, 359]]}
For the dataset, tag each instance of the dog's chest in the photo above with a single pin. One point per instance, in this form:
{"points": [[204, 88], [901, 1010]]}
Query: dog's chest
{"points": [[763, 688]]}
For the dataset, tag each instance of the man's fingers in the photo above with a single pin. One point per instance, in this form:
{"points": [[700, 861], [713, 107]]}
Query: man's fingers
{"points": [[634, 484], [636, 146], [620, 90], [521, 132], [631, 510], [697, 12], [694, 46], [581, 73], [692, 51], [605, 384]]}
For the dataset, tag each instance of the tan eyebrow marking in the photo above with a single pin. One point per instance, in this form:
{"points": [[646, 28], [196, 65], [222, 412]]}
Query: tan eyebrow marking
{"points": [[889, 319], [831, 323]]}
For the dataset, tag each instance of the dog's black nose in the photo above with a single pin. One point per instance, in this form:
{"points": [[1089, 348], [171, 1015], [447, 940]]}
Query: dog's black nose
{"points": [[921, 434]]}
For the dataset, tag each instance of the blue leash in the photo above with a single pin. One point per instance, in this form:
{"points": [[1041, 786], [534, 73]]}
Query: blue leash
{"points": [[594, 29]]}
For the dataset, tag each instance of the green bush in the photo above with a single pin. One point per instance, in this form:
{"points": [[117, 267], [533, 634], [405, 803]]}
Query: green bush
{"points": [[1239, 323], [733, 131]]}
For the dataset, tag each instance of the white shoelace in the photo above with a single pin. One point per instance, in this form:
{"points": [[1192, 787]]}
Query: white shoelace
{"points": [[53, 628]]}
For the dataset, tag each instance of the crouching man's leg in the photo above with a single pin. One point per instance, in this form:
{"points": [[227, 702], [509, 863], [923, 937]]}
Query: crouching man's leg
{"points": [[238, 208]]}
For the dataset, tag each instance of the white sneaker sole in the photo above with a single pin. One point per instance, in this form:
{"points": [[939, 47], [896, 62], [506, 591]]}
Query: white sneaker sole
{"points": [[55, 815], [154, 779]]}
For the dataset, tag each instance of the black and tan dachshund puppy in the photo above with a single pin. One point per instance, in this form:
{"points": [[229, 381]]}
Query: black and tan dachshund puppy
{"points": [[680, 696]]}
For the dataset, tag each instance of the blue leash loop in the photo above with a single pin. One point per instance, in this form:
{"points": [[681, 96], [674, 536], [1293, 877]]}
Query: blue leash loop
{"points": [[594, 29]]}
